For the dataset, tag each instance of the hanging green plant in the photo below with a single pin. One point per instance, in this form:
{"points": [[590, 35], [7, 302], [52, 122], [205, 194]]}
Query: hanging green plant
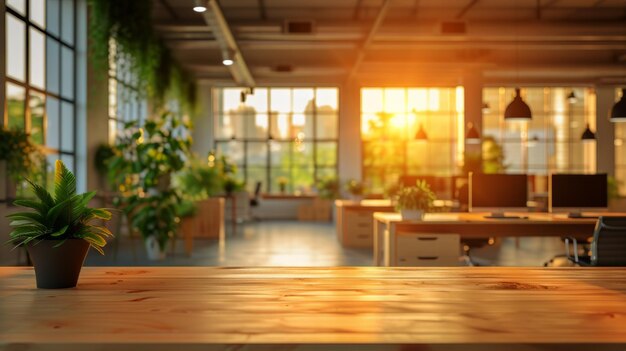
{"points": [[122, 30]]}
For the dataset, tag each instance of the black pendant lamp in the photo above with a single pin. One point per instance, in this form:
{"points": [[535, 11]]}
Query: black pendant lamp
{"points": [[472, 136], [571, 97], [517, 110], [618, 112], [588, 134], [421, 134]]}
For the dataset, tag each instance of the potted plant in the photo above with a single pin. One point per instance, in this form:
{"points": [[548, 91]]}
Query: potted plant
{"points": [[59, 230], [282, 184], [328, 188], [414, 201], [392, 191], [142, 166], [356, 189]]}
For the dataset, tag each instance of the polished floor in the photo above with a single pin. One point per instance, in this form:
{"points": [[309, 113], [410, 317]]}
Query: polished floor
{"points": [[290, 243]]}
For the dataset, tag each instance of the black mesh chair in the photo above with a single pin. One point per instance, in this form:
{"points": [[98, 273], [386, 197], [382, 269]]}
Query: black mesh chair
{"points": [[608, 247], [257, 192]]}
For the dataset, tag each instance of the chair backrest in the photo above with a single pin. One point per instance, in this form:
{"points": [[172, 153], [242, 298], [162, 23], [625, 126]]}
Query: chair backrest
{"points": [[257, 190], [609, 242]]}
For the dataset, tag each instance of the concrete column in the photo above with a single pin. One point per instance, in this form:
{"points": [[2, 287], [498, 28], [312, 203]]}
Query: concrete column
{"points": [[93, 127], [350, 153], [473, 104], [605, 130], [203, 121]]}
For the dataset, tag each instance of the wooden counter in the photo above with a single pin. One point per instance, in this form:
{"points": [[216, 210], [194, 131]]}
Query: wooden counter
{"points": [[481, 307]]}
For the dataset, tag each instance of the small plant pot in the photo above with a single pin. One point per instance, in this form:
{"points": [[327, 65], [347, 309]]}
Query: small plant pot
{"points": [[282, 188], [153, 249], [58, 267], [412, 215]]}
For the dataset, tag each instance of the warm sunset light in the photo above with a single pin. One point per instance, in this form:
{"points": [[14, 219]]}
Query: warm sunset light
{"points": [[381, 175]]}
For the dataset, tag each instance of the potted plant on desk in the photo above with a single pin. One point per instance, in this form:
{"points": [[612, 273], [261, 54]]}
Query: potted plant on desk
{"points": [[59, 232], [356, 189], [414, 201]]}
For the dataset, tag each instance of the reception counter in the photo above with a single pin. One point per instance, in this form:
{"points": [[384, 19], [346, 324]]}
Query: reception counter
{"points": [[212, 308]]}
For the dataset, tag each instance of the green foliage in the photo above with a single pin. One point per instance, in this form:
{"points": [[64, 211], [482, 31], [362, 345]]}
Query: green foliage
{"points": [[493, 156], [103, 155], [613, 188], [141, 168], [24, 159], [328, 188], [230, 184], [355, 187], [60, 217], [392, 190], [418, 197], [198, 180], [129, 26]]}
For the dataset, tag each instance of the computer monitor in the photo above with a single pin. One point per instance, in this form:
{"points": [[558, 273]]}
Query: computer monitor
{"points": [[498, 193], [577, 193]]}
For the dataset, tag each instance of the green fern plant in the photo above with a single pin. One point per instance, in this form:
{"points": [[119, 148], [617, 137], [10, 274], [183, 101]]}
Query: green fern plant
{"points": [[59, 216]]}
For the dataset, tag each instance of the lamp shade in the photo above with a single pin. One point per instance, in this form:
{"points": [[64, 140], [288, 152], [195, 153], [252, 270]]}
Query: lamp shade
{"points": [[618, 112], [472, 136], [517, 109], [421, 134], [588, 135], [571, 97]]}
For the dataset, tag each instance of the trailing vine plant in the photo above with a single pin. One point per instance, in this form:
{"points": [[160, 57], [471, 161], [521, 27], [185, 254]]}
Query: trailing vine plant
{"points": [[127, 27]]}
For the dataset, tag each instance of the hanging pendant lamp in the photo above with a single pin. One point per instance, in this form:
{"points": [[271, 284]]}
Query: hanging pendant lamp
{"points": [[421, 134], [588, 134], [618, 112], [571, 97], [517, 109], [472, 136]]}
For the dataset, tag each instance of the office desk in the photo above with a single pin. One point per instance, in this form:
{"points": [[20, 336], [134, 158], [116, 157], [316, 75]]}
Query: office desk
{"points": [[354, 222], [387, 226], [211, 308]]}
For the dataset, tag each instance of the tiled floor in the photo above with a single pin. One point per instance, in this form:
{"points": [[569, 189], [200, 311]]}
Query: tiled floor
{"points": [[285, 243]]}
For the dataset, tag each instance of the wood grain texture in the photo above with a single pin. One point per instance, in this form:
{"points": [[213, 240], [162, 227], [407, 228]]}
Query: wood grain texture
{"points": [[221, 306]]}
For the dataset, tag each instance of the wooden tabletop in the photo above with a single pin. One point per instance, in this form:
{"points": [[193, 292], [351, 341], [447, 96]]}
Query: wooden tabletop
{"points": [[223, 306]]}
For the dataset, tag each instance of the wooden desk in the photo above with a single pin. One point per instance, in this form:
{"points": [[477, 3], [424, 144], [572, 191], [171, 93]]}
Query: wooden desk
{"points": [[209, 308], [473, 225], [354, 222]]}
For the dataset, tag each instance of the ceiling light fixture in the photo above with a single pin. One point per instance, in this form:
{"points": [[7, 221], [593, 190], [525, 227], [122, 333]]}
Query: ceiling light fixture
{"points": [[472, 136], [588, 135], [199, 5], [228, 57], [421, 134], [618, 112], [486, 108]]}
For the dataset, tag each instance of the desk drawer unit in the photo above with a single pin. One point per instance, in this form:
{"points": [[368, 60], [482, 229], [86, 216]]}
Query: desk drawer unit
{"points": [[412, 249], [358, 228]]}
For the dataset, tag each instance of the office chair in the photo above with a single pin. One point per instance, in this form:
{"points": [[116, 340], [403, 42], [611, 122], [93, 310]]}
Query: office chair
{"points": [[608, 247], [257, 191]]}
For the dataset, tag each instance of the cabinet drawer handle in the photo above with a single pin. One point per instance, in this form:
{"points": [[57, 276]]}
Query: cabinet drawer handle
{"points": [[428, 238], [427, 257]]}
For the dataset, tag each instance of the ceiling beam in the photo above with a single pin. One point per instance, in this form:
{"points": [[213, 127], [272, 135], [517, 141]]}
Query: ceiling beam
{"points": [[227, 43], [169, 9], [467, 7], [382, 12], [262, 10]]}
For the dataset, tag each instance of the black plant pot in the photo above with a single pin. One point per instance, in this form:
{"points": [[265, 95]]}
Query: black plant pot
{"points": [[58, 267]]}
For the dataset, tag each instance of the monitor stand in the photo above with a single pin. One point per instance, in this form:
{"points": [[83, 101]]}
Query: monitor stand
{"points": [[501, 215]]}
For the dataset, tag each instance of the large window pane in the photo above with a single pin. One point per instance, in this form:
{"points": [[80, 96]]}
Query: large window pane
{"points": [[53, 126], [15, 47], [53, 57], [17, 5], [37, 11], [53, 16], [37, 58], [37, 112], [67, 126], [67, 21], [67, 73], [16, 111]]}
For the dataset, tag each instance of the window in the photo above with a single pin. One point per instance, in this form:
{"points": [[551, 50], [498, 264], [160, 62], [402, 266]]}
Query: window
{"points": [[620, 152], [40, 76], [126, 103], [551, 141], [390, 120], [279, 132]]}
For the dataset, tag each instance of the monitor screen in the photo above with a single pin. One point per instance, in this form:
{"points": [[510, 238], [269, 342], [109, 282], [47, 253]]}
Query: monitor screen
{"points": [[578, 191], [498, 190]]}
